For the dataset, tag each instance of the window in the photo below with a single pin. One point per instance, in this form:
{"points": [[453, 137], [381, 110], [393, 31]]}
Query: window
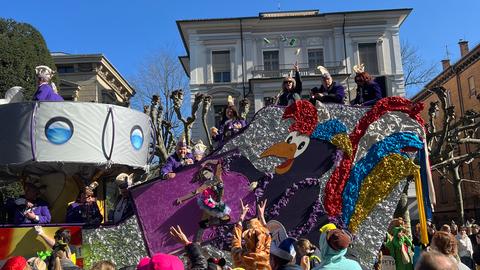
{"points": [[315, 58], [471, 86], [65, 69], [368, 56], [85, 67], [221, 66], [218, 114], [270, 60]]}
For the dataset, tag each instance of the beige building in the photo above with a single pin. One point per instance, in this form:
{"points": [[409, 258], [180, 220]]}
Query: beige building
{"points": [[91, 78]]}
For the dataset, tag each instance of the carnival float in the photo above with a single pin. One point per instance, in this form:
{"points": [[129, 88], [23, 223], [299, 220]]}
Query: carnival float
{"points": [[314, 164]]}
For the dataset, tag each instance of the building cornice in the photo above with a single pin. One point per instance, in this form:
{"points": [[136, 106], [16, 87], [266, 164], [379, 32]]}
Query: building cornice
{"points": [[448, 73], [335, 18], [104, 67]]}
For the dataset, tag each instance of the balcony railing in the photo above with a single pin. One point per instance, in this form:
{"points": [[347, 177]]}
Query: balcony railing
{"points": [[262, 71]]}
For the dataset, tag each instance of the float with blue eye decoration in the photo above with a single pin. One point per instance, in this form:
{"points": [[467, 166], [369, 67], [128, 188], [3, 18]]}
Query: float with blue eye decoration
{"points": [[59, 130], [72, 136], [136, 137]]}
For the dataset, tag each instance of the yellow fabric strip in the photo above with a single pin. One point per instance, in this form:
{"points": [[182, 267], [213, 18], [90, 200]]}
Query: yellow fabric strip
{"points": [[378, 184], [421, 209]]}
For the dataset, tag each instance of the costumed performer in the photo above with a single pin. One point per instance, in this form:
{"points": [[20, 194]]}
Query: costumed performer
{"points": [[215, 211], [291, 89], [177, 160], [46, 91], [231, 124], [401, 249], [199, 151], [29, 208], [85, 208], [329, 92], [123, 207], [368, 91], [255, 253], [333, 246]]}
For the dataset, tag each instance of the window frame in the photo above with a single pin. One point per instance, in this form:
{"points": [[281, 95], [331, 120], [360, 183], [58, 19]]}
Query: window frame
{"points": [[323, 56], [223, 74], [472, 90], [263, 59], [359, 44]]}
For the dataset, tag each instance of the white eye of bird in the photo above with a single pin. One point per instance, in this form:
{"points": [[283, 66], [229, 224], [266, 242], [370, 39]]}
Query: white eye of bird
{"points": [[301, 141]]}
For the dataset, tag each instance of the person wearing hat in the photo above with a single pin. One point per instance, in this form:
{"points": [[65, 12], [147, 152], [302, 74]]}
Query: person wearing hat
{"points": [[291, 89], [231, 123], [85, 208], [283, 256], [199, 151], [46, 90], [16, 263], [333, 246], [251, 247], [177, 160], [29, 208], [160, 261], [123, 207], [368, 91], [329, 91]]}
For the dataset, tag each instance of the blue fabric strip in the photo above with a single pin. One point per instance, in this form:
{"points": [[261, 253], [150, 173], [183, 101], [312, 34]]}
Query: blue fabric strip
{"points": [[390, 145]]}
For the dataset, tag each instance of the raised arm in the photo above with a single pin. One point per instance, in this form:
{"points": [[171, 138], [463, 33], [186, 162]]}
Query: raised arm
{"points": [[49, 240], [261, 212]]}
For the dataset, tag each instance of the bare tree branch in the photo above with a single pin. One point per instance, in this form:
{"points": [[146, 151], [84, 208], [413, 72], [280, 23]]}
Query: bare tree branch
{"points": [[156, 78], [444, 144], [416, 72], [177, 98], [207, 102]]}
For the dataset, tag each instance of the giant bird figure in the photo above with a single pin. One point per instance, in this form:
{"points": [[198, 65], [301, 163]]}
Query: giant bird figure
{"points": [[359, 180]]}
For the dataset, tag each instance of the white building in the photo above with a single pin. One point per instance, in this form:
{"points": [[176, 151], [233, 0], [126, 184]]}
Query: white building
{"points": [[249, 56]]}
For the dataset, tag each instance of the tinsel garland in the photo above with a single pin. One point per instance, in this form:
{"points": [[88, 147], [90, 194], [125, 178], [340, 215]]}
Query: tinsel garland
{"points": [[384, 177], [389, 145], [305, 116], [336, 184], [326, 130]]}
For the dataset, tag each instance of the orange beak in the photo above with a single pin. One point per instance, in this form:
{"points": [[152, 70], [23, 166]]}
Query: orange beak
{"points": [[281, 150]]}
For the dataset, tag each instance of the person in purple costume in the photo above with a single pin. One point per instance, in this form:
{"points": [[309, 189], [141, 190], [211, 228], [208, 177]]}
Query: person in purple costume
{"points": [[232, 125], [85, 208], [176, 161], [368, 91], [29, 208], [46, 90], [329, 91]]}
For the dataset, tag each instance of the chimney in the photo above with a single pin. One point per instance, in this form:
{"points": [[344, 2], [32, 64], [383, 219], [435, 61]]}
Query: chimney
{"points": [[445, 63], [463, 47]]}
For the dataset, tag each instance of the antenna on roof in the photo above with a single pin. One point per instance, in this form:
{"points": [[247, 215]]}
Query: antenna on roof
{"points": [[278, 5], [447, 52]]}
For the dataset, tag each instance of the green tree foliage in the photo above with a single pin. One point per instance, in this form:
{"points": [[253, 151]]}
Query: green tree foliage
{"points": [[22, 48]]}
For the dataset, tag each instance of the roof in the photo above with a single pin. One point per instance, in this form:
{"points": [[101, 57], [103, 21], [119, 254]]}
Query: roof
{"points": [[182, 24], [472, 56], [65, 58]]}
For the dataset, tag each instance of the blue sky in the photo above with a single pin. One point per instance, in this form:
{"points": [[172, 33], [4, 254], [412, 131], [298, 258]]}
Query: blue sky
{"points": [[129, 31]]}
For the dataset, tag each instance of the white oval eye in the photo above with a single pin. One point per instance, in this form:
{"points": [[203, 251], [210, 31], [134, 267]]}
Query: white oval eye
{"points": [[301, 141]]}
